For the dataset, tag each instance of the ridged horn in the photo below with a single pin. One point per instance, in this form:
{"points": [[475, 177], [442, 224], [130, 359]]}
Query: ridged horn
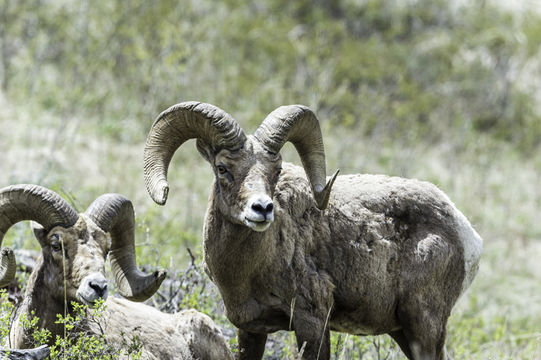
{"points": [[174, 126], [299, 125], [8, 266], [29, 202], [113, 213]]}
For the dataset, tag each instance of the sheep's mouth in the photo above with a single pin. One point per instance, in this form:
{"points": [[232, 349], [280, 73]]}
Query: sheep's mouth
{"points": [[257, 224], [90, 300], [86, 301]]}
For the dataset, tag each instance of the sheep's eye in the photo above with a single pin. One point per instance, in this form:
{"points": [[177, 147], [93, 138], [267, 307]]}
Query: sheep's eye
{"points": [[278, 172], [55, 244], [221, 169]]}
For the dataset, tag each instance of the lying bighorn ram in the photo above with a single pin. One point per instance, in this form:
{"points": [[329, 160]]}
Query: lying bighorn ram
{"points": [[377, 255], [82, 239]]}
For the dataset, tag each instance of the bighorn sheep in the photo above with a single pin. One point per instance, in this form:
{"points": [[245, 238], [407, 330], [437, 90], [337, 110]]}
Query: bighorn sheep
{"points": [[82, 238], [377, 255]]}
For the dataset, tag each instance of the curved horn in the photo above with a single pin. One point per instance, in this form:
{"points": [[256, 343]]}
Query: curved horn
{"points": [[113, 213], [299, 125], [7, 266], [174, 126], [29, 202]]}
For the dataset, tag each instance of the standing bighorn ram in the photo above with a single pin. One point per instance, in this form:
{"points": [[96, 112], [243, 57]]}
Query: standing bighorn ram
{"points": [[377, 255], [187, 335]]}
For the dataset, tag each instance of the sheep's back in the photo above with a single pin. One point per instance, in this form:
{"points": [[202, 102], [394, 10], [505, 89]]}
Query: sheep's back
{"points": [[125, 320]]}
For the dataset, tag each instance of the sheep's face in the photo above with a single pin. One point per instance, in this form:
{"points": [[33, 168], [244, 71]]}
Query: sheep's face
{"points": [[85, 248], [245, 181]]}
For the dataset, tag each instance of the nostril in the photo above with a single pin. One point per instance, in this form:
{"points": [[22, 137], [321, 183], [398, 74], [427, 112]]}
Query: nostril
{"points": [[100, 289], [263, 207], [257, 207]]}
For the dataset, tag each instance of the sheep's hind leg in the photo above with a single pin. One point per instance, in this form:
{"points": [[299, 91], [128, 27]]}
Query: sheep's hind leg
{"points": [[251, 345], [403, 342], [425, 331], [427, 346]]}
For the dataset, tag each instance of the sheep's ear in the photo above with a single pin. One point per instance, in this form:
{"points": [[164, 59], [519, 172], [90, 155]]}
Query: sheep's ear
{"points": [[39, 232], [205, 150]]}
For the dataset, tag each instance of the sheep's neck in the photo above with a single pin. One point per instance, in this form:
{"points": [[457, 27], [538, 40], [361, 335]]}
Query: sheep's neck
{"points": [[230, 246], [39, 300]]}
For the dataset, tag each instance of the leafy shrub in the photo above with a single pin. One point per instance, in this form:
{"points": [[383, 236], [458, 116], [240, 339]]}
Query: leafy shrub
{"points": [[77, 343], [6, 309]]}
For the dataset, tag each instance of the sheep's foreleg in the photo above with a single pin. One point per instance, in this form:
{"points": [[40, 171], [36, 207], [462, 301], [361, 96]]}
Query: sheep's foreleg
{"points": [[251, 345], [313, 340]]}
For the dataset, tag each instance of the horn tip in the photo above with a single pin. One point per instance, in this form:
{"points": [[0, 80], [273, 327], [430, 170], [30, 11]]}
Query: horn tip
{"points": [[160, 193], [6, 251], [160, 276], [157, 277], [150, 284], [322, 194], [7, 266]]}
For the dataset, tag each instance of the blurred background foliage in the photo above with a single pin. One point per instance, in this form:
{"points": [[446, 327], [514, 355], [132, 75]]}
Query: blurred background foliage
{"points": [[444, 91], [414, 69]]}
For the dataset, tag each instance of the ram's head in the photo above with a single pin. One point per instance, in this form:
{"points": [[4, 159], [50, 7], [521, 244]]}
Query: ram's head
{"points": [[246, 167], [75, 246]]}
